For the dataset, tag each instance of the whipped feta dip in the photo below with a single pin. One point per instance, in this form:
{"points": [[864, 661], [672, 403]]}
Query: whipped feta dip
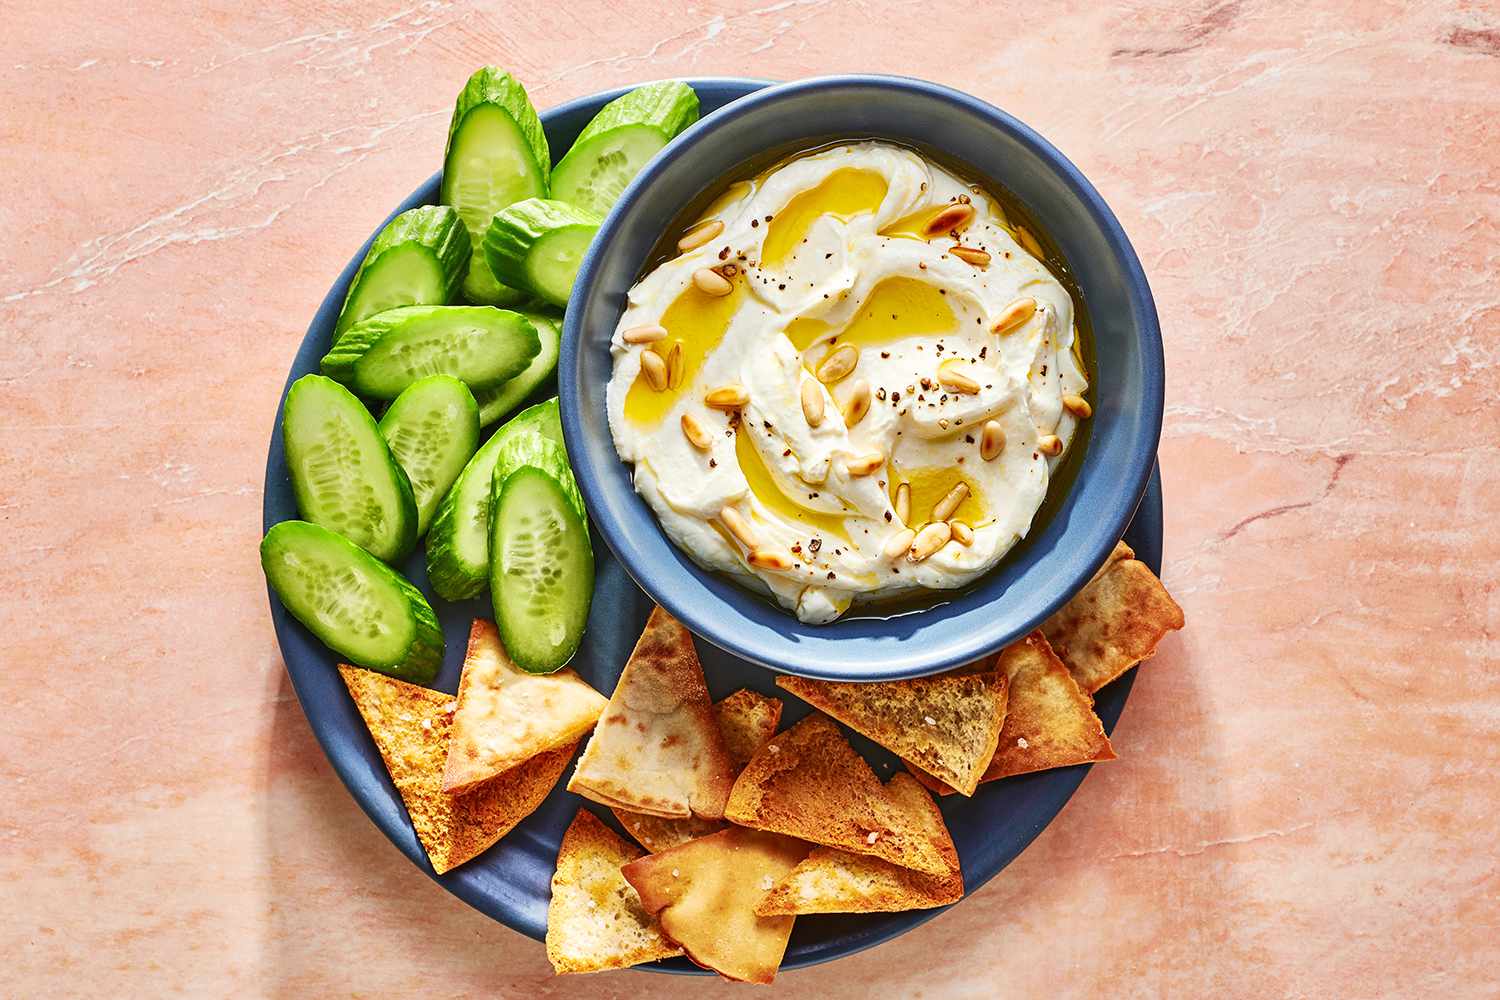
{"points": [[853, 382]]}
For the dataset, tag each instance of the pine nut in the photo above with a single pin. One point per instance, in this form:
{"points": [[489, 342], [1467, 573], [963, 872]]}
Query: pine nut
{"points": [[647, 334], [858, 405], [1078, 406], [991, 440], [962, 533], [1014, 315], [676, 366], [770, 558], [944, 508], [863, 465], [696, 433], [738, 526], [970, 255], [956, 381], [951, 218], [711, 282], [1049, 445], [898, 544], [838, 364], [727, 397], [812, 403], [655, 369], [903, 503], [929, 540], [699, 235]]}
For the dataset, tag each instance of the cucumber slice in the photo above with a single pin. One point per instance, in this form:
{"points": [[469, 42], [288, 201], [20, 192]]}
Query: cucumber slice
{"points": [[458, 544], [342, 471], [418, 259], [381, 356], [529, 446], [542, 574], [614, 147], [356, 605], [432, 429], [496, 155], [497, 401], [537, 244]]}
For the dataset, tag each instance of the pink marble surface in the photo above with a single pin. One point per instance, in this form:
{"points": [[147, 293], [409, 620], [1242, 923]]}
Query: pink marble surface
{"points": [[1306, 799]]}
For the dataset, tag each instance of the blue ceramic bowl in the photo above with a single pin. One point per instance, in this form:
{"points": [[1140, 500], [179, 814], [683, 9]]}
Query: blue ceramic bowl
{"points": [[1060, 555]]}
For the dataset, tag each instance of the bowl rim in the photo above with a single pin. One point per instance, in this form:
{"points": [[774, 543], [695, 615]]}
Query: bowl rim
{"points": [[695, 606]]}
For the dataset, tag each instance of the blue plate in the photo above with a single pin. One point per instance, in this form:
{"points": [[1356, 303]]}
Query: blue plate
{"points": [[510, 881]]}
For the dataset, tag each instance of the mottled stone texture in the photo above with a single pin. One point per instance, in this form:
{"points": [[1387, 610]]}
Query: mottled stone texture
{"points": [[1306, 797]]}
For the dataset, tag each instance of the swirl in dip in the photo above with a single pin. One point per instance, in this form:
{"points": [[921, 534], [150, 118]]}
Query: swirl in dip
{"points": [[920, 465]]}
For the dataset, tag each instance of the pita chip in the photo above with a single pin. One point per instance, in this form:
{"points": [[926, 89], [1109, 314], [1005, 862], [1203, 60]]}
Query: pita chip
{"points": [[410, 726], [595, 920], [657, 748], [506, 716], [1113, 623], [808, 782], [704, 893], [1049, 720], [747, 719], [948, 725], [835, 881]]}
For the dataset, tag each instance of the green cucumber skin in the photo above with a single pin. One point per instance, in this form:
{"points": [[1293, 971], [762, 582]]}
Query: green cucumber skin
{"points": [[398, 508], [531, 448], [456, 568], [493, 85], [669, 106], [492, 88], [666, 107], [446, 401], [497, 401], [435, 228], [418, 661], [517, 232], [518, 637], [355, 358]]}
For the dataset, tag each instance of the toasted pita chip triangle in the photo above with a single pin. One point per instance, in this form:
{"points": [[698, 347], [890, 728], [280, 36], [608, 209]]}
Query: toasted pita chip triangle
{"points": [[948, 725], [704, 893], [595, 920], [506, 716], [1113, 623], [747, 720], [657, 748], [833, 881], [410, 726], [1120, 551], [810, 783], [1049, 721]]}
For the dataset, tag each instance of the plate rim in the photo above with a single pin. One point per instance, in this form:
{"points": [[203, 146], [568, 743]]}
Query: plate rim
{"points": [[343, 758]]}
